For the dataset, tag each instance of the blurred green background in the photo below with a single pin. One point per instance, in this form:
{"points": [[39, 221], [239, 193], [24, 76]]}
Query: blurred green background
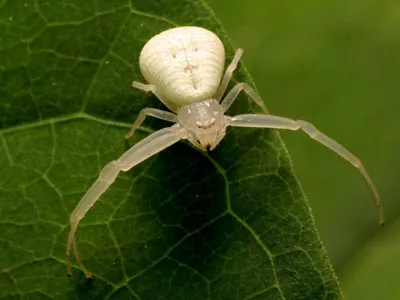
{"points": [[337, 65]]}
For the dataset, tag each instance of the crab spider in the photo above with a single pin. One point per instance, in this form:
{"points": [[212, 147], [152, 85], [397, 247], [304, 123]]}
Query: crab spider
{"points": [[184, 68]]}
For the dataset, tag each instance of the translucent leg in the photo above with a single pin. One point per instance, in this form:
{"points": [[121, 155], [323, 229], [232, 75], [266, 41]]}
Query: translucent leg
{"points": [[228, 75], [234, 92], [146, 148], [152, 88], [268, 121], [106, 178], [153, 112], [78, 259]]}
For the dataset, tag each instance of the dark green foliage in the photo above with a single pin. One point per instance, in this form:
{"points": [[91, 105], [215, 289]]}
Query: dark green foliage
{"points": [[230, 224]]}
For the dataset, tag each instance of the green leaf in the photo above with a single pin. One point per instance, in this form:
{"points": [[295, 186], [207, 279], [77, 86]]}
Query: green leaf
{"points": [[337, 66], [230, 224]]}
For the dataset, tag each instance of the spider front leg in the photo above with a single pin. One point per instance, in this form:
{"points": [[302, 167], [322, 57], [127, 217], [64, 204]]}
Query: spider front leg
{"points": [[146, 148], [269, 121], [153, 112]]}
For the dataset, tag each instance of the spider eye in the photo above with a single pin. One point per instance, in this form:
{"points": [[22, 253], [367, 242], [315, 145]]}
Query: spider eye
{"points": [[206, 124]]}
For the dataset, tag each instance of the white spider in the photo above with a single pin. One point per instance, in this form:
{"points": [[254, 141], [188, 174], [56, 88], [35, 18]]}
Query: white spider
{"points": [[184, 68]]}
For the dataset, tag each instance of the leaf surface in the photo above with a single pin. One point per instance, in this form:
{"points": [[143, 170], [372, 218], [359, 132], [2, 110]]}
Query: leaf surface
{"points": [[230, 224], [337, 67]]}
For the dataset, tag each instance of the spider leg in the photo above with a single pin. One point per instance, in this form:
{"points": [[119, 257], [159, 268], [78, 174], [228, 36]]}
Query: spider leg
{"points": [[234, 92], [228, 75], [146, 148], [269, 121], [152, 88], [153, 112]]}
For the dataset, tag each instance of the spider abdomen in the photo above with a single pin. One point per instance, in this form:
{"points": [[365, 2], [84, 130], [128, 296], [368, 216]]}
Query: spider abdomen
{"points": [[185, 64]]}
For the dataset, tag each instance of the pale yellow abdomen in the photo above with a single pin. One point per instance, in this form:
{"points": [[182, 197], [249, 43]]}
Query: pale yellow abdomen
{"points": [[185, 64]]}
